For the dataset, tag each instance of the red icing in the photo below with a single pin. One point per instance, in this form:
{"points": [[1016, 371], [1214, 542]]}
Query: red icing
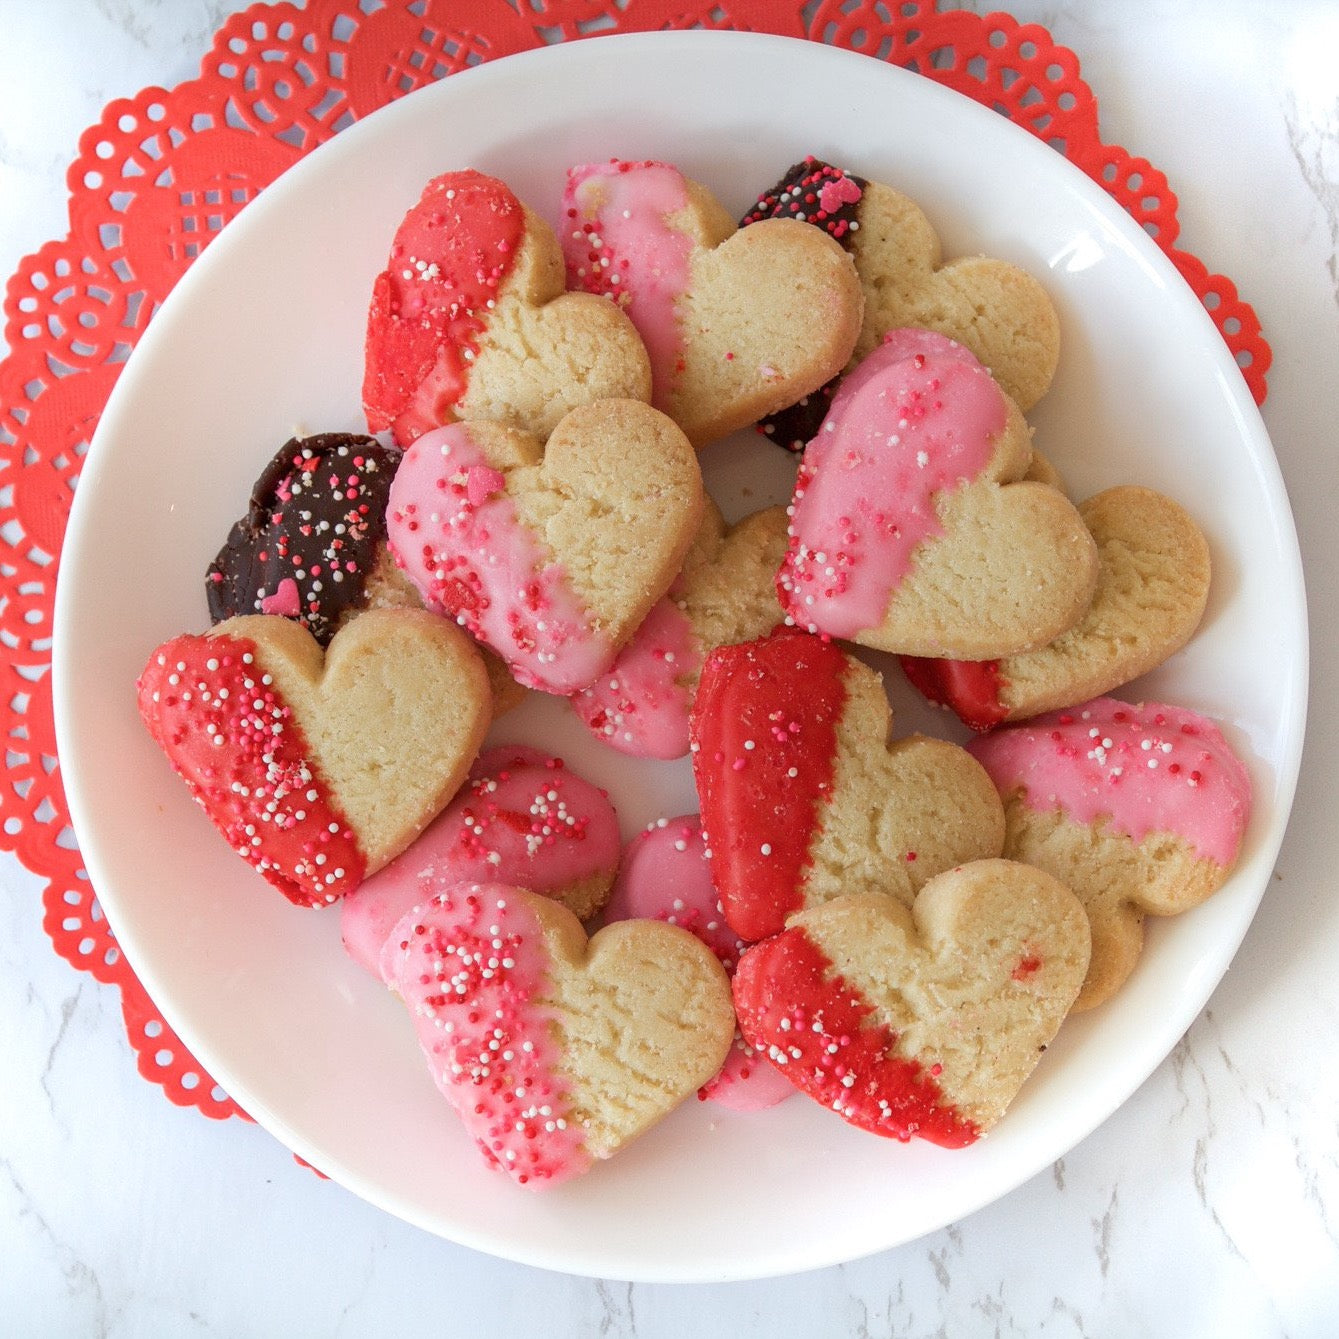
{"points": [[763, 735], [822, 1034], [450, 257], [213, 710], [970, 688]]}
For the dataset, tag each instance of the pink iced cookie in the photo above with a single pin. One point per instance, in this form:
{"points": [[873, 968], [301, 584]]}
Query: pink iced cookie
{"points": [[737, 323], [911, 526], [522, 818], [1139, 809], [513, 538], [554, 1050], [665, 876]]}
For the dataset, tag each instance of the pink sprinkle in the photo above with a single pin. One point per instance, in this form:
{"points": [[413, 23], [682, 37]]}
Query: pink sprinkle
{"points": [[481, 482], [285, 601], [833, 194]]}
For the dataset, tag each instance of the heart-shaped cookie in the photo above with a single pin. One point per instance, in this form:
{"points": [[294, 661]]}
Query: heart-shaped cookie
{"points": [[521, 818], [738, 324], [470, 320], [318, 769], [726, 593], [665, 875], [911, 531], [1139, 809], [923, 1021], [803, 800], [1151, 591], [551, 555], [554, 1050], [998, 311]]}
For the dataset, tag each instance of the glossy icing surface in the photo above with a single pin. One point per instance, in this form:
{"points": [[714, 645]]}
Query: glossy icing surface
{"points": [[764, 741], [618, 241], [522, 818], [453, 528], [448, 262], [1147, 768], [640, 705], [664, 875], [472, 968], [215, 712], [971, 688], [916, 417], [823, 1036]]}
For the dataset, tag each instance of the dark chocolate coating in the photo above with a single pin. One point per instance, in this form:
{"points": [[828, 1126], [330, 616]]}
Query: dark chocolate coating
{"points": [[317, 516], [797, 196]]}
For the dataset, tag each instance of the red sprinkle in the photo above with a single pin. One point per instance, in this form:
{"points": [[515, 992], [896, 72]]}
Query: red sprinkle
{"points": [[821, 1033], [227, 731]]}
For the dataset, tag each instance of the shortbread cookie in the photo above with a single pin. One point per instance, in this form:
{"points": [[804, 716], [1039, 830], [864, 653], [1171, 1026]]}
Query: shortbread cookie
{"points": [[1151, 591], [319, 769], [552, 555], [665, 876], [522, 818], [556, 1051], [737, 324], [998, 311], [912, 530], [803, 800], [1139, 809], [470, 320], [726, 593], [924, 1021]]}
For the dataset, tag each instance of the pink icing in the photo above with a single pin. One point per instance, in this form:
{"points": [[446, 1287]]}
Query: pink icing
{"points": [[522, 818], [455, 532], [665, 876], [472, 967], [918, 416], [640, 706], [836, 192], [618, 242], [1149, 768]]}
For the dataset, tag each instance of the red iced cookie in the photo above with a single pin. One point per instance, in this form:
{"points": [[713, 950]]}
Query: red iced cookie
{"points": [[803, 800], [923, 1021]]}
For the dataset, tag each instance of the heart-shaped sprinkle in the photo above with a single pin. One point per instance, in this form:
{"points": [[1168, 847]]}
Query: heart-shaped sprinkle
{"points": [[921, 1022], [554, 1050], [522, 818]]}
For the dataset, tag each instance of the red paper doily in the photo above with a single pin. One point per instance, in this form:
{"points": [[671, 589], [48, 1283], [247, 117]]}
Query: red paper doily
{"points": [[161, 173]]}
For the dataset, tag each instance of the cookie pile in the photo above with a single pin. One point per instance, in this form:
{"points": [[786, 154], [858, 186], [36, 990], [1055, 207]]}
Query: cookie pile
{"points": [[896, 927]]}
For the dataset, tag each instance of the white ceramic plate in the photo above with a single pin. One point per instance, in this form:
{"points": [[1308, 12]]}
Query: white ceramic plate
{"points": [[263, 337]]}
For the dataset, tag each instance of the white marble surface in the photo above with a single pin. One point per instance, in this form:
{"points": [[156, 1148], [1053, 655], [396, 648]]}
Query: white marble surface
{"points": [[1208, 1205]]}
